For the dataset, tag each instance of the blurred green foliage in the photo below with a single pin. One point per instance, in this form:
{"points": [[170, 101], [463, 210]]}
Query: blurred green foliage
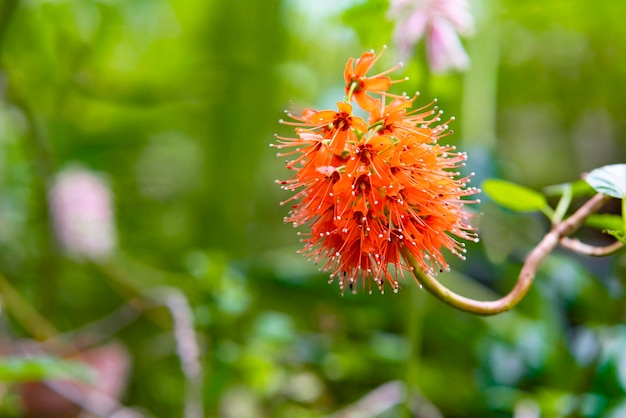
{"points": [[176, 101], [42, 368]]}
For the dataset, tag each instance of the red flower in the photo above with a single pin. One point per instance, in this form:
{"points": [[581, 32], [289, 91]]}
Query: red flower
{"points": [[370, 193]]}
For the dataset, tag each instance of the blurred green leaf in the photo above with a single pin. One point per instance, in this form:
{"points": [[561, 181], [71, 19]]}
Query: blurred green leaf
{"points": [[389, 347], [605, 221], [502, 231], [609, 180], [619, 410], [578, 188], [18, 369], [513, 196], [275, 326]]}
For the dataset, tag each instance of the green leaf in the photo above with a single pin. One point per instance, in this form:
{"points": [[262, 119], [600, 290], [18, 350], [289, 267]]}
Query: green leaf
{"points": [[618, 235], [578, 188], [605, 221], [609, 180], [19, 369], [513, 196]]}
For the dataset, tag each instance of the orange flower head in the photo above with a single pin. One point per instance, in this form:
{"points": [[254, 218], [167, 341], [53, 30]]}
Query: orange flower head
{"points": [[370, 193]]}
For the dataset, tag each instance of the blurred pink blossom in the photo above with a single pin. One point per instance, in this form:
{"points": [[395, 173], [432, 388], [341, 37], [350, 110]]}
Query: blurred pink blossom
{"points": [[81, 208], [439, 22]]}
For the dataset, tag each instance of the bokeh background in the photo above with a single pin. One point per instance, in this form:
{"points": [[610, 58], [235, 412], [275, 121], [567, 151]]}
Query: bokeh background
{"points": [[172, 104]]}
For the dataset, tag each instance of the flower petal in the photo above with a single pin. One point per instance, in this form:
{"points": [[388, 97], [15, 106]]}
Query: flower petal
{"points": [[364, 63], [377, 84]]}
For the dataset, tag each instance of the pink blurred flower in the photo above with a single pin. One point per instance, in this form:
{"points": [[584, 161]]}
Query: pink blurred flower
{"points": [[80, 204], [439, 22]]}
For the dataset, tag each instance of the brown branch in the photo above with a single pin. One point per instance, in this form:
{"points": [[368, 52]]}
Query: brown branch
{"points": [[100, 404], [186, 344], [527, 274], [98, 331], [143, 298], [592, 250], [384, 398]]}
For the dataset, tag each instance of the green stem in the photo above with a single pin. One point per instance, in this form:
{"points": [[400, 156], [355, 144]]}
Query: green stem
{"points": [[624, 214], [480, 82], [563, 205], [527, 274], [417, 310], [24, 313], [353, 87], [37, 144], [6, 13]]}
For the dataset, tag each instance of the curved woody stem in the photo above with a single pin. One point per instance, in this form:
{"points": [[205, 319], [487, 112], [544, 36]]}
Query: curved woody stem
{"points": [[591, 250], [527, 274]]}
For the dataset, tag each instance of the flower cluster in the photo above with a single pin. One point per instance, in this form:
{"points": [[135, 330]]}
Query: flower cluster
{"points": [[438, 21], [377, 189]]}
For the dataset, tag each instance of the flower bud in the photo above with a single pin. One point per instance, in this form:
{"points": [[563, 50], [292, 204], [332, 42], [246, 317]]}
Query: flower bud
{"points": [[81, 209]]}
